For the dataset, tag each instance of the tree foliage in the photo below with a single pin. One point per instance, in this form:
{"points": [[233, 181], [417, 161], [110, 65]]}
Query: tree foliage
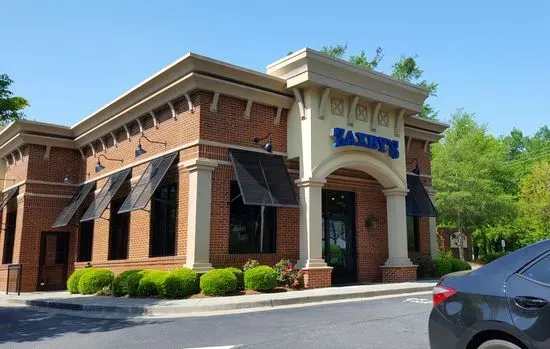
{"points": [[534, 203], [10, 106], [405, 69], [470, 176]]}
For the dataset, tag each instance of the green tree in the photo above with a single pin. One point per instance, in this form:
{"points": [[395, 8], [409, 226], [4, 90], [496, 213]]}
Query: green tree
{"points": [[534, 203], [470, 176], [10, 105], [405, 69]]}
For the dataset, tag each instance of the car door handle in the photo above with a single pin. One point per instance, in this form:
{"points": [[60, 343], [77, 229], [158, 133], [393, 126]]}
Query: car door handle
{"points": [[530, 302]]}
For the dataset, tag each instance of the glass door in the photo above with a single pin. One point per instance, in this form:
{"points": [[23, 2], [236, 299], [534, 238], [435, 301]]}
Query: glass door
{"points": [[339, 234]]}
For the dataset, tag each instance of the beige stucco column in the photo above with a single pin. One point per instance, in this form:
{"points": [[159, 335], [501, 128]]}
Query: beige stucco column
{"points": [[311, 227], [198, 215], [434, 244], [398, 254]]}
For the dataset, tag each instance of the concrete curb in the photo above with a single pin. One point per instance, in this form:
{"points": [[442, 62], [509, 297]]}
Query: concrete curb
{"points": [[220, 306]]}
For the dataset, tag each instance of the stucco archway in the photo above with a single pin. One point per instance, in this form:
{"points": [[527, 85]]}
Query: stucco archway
{"points": [[359, 160]]}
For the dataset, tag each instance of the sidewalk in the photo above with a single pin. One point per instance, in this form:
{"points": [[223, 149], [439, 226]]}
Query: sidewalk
{"points": [[149, 306]]}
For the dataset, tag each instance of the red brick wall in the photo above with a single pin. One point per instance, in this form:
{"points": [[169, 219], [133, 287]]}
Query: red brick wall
{"points": [[398, 274]]}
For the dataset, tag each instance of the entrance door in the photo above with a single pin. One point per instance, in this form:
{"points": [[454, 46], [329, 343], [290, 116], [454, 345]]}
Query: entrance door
{"points": [[339, 234], [54, 253]]}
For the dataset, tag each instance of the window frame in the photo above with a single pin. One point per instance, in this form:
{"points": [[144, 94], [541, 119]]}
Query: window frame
{"points": [[522, 272], [155, 204], [11, 240], [121, 218], [235, 189], [90, 248], [415, 234]]}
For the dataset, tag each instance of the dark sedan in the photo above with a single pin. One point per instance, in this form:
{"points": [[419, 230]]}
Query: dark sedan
{"points": [[502, 305]]}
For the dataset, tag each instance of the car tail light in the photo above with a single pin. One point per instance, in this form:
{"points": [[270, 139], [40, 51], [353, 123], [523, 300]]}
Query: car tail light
{"points": [[441, 293]]}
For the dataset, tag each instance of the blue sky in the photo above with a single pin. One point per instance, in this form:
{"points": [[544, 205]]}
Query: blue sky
{"points": [[69, 58]]}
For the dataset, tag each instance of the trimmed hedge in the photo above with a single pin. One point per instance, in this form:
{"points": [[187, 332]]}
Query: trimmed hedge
{"points": [[262, 278], [151, 283], [218, 282], [72, 282], [240, 277], [425, 267], [120, 284], [180, 283], [95, 280], [459, 265], [132, 284], [489, 257], [442, 266]]}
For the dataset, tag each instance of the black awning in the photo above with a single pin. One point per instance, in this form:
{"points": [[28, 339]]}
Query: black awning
{"points": [[73, 205], [7, 196], [105, 195], [263, 179], [418, 201], [141, 194]]}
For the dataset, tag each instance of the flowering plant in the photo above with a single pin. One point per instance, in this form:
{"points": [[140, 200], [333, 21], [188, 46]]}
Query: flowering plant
{"points": [[251, 264], [288, 275]]}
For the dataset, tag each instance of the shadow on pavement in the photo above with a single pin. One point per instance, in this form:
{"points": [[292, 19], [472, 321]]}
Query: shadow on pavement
{"points": [[18, 325]]}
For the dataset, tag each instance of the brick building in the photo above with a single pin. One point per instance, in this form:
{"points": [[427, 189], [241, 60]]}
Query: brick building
{"points": [[207, 164]]}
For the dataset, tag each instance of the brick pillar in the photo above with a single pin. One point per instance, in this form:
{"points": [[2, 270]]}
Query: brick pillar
{"points": [[398, 267], [199, 215], [315, 270]]}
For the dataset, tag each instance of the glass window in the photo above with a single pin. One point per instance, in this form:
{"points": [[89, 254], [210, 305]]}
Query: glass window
{"points": [[252, 229], [164, 209], [85, 241], [9, 238], [119, 224], [413, 233], [540, 272]]}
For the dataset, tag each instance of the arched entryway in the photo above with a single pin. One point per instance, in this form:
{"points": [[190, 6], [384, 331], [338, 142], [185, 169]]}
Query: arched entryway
{"points": [[391, 188]]}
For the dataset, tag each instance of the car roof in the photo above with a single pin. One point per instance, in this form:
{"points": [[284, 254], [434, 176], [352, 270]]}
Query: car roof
{"points": [[516, 260]]}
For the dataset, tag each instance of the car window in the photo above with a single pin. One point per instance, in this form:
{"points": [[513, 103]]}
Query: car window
{"points": [[540, 271]]}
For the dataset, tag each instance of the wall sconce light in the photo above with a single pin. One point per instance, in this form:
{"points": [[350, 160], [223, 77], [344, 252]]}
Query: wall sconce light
{"points": [[99, 167], [416, 169], [268, 146], [67, 180], [140, 151], [370, 221]]}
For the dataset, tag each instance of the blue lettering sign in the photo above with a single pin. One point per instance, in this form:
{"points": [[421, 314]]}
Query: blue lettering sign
{"points": [[343, 138]]}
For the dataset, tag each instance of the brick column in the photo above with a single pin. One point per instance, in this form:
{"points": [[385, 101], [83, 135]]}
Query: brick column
{"points": [[433, 227], [197, 255], [398, 267], [316, 272]]}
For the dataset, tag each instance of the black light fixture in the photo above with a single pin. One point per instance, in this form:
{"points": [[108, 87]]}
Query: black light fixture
{"points": [[99, 167], [416, 169], [268, 146], [140, 151]]}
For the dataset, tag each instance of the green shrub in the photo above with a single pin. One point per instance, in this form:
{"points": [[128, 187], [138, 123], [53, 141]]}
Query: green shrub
{"points": [[132, 283], [120, 284], [489, 257], [425, 267], [262, 278], [151, 283], [72, 282], [240, 277], [180, 283], [95, 280], [442, 266], [459, 265], [251, 264], [218, 282]]}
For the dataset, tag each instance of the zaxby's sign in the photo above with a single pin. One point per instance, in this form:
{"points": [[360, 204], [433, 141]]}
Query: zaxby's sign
{"points": [[343, 138]]}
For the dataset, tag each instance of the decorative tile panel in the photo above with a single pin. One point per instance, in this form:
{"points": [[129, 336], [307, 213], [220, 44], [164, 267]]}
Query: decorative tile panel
{"points": [[337, 106], [383, 119], [361, 113]]}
